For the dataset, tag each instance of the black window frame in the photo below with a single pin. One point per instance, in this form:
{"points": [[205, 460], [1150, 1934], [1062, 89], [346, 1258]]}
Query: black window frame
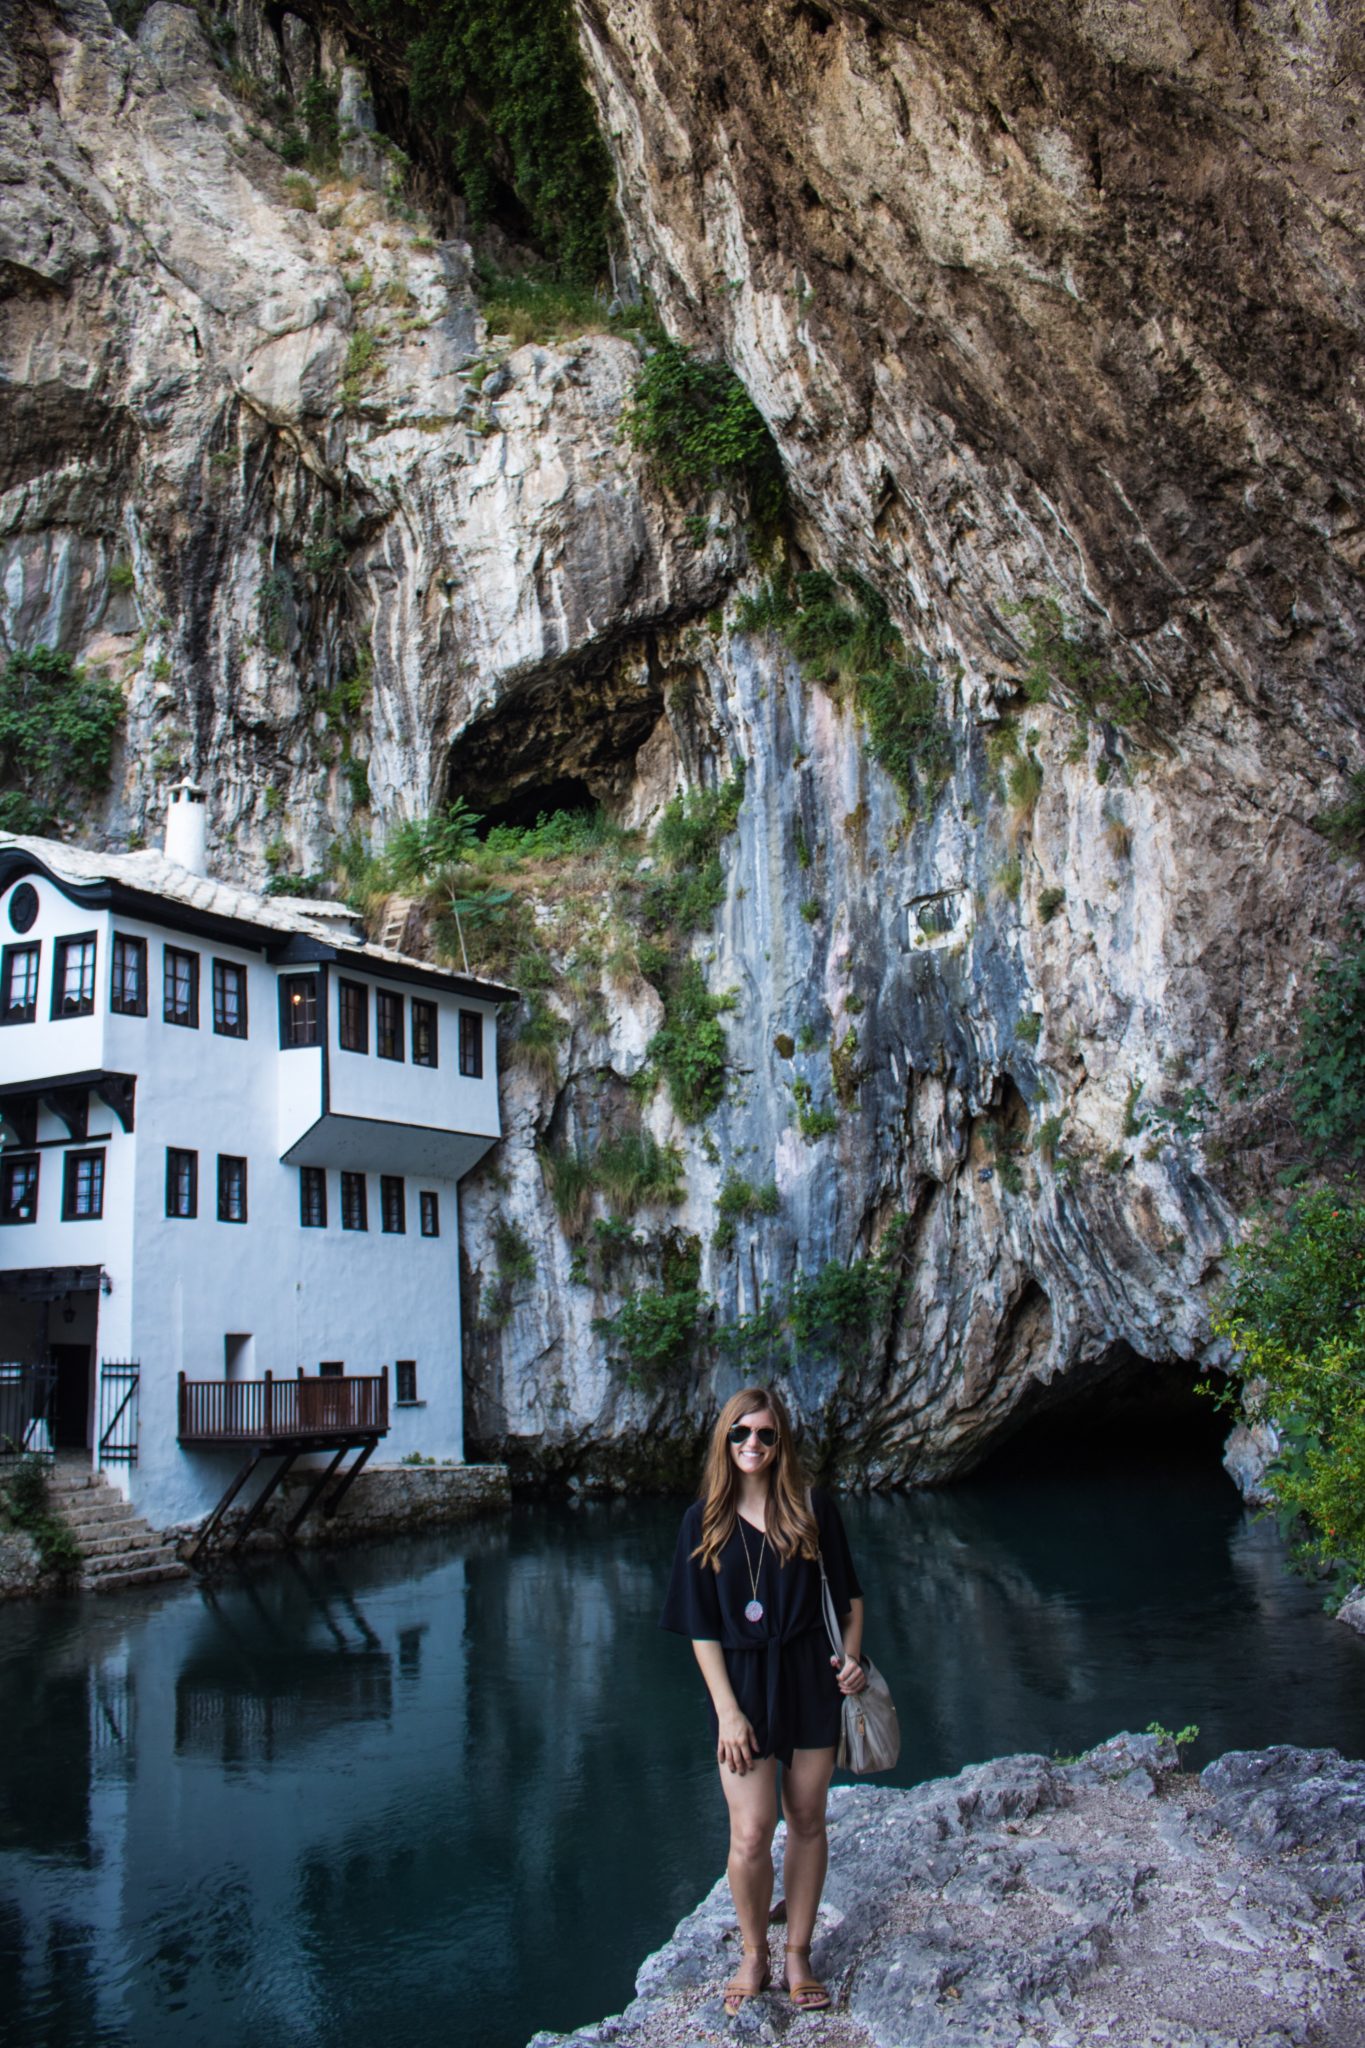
{"points": [[178, 1156], [314, 1178], [11, 1164], [289, 1041], [471, 1045], [72, 1163], [351, 1184], [429, 1212], [349, 994], [123, 946], [421, 1011], [226, 1162], [169, 1014], [388, 1003], [405, 1377], [220, 971], [332, 1369], [28, 1014], [393, 1205], [84, 1005]]}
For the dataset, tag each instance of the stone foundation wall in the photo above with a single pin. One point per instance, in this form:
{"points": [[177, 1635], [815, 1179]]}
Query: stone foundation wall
{"points": [[386, 1500]]}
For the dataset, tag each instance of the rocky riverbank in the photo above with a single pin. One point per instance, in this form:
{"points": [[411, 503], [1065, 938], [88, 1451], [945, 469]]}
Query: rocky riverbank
{"points": [[1025, 1902]]}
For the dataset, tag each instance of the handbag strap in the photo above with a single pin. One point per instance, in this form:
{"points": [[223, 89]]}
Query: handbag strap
{"points": [[832, 1628]]}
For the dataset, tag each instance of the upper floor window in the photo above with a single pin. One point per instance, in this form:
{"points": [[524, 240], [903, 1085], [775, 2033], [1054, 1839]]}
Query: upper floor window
{"points": [[83, 1187], [298, 1009], [73, 977], [181, 998], [471, 1044], [424, 1047], [388, 1025], [429, 1205], [354, 1022], [19, 1189], [23, 908], [19, 984], [231, 1189], [354, 1215], [313, 1197], [182, 1182], [332, 1369], [229, 999], [392, 1207], [128, 976], [405, 1376]]}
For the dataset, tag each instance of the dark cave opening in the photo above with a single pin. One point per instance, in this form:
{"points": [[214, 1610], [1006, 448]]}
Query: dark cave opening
{"points": [[1130, 1411], [531, 801]]}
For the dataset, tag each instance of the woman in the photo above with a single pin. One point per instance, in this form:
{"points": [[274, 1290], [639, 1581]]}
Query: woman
{"points": [[746, 1589]]}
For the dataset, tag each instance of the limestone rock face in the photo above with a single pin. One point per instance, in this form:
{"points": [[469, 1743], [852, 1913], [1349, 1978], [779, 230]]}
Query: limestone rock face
{"points": [[1047, 302]]}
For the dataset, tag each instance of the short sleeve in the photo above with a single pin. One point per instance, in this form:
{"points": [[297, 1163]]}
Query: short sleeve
{"points": [[692, 1603], [839, 1568]]}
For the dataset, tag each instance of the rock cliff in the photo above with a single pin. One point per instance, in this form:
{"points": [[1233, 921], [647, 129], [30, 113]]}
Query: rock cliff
{"points": [[1050, 311], [1025, 1902]]}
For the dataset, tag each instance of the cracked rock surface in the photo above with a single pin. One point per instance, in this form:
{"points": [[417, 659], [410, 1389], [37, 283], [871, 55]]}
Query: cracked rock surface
{"points": [[1032, 1904]]}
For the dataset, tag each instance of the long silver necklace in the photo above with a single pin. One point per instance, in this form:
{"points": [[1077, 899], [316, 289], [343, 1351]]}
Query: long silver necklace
{"points": [[754, 1610]]}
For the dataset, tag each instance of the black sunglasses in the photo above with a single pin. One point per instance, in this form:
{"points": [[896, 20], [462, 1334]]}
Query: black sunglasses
{"points": [[740, 1435]]}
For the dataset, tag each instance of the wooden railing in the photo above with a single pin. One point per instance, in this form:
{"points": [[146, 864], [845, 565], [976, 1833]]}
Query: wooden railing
{"points": [[261, 1411]]}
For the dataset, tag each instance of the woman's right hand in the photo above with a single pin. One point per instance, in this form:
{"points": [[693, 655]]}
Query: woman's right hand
{"points": [[736, 1748]]}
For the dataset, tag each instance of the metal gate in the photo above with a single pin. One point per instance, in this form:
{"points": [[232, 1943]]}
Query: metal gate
{"points": [[28, 1407], [119, 1378]]}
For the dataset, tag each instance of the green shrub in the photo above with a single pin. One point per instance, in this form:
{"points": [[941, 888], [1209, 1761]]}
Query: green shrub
{"points": [[318, 105], [657, 1330], [635, 1170], [1024, 786], [811, 910], [1344, 825], [844, 1070], [1328, 1088], [538, 305], [1029, 1028], [739, 1199], [835, 1309], [25, 1503], [362, 353], [1062, 667], [812, 1123], [1050, 902], [701, 432], [496, 87], [299, 191], [690, 1048], [58, 728], [1294, 1313], [121, 577], [569, 1176]]}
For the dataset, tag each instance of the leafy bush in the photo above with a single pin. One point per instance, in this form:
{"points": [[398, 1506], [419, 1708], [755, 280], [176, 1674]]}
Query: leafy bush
{"points": [[25, 1503], [318, 105], [1344, 824], [538, 305], [569, 1176], [58, 727], [690, 1049], [1062, 668], [497, 87], [739, 1199], [1294, 1313], [1328, 1089], [835, 1309], [657, 1330], [1050, 902], [855, 646], [635, 1169], [702, 432]]}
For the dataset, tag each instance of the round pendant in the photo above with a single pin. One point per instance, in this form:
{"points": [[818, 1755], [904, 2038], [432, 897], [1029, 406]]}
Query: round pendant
{"points": [[754, 1611]]}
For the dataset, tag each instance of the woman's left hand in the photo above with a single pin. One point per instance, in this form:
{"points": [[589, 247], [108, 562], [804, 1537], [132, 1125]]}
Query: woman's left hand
{"points": [[851, 1676]]}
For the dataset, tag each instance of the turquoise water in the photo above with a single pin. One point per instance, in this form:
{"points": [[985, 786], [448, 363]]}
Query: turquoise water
{"points": [[452, 1791]]}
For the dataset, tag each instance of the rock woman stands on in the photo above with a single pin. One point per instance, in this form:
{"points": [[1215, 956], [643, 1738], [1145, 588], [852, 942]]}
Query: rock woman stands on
{"points": [[746, 1589]]}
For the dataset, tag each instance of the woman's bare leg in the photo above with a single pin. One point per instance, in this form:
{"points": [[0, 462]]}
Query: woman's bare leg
{"points": [[752, 1800], [805, 1789]]}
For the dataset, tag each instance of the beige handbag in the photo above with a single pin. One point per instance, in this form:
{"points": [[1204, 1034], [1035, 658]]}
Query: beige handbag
{"points": [[871, 1736]]}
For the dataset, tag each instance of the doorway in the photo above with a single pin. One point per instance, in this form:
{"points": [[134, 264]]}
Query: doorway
{"points": [[73, 1396]]}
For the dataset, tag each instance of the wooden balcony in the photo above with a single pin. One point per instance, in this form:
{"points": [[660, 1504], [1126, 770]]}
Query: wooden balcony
{"points": [[283, 1414]]}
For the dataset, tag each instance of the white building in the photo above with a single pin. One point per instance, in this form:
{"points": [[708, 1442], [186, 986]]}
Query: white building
{"points": [[231, 1133]]}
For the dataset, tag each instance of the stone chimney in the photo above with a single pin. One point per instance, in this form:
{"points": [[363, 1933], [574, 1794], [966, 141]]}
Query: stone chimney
{"points": [[187, 822]]}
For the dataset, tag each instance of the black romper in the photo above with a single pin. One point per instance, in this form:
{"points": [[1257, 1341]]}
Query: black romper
{"points": [[780, 1666]]}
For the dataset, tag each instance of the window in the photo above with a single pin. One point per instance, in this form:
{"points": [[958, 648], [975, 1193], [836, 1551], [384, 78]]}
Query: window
{"points": [[181, 1000], [83, 1187], [73, 977], [23, 908], [405, 1374], [429, 1203], [229, 999], [182, 1182], [388, 1025], [332, 1369], [392, 1208], [128, 976], [313, 1197], [423, 1033], [298, 1009], [353, 1212], [19, 1190], [355, 1017], [231, 1189], [471, 1044], [19, 985]]}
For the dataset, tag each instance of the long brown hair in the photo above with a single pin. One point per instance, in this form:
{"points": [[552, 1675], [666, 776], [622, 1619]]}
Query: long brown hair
{"points": [[791, 1525]]}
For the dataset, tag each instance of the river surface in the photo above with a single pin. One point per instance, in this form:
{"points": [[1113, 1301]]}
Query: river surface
{"points": [[452, 1790]]}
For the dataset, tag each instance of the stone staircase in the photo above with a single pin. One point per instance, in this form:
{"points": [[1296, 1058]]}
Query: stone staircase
{"points": [[118, 1547]]}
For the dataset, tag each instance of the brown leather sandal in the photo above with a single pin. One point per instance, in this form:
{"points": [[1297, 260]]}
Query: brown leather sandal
{"points": [[736, 1993], [807, 1993]]}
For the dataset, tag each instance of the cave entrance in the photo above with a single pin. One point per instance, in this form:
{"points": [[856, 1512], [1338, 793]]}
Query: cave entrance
{"points": [[533, 800], [1128, 1412]]}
